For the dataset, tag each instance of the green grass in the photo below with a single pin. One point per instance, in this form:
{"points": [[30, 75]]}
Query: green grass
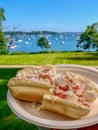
{"points": [[8, 120], [82, 58]]}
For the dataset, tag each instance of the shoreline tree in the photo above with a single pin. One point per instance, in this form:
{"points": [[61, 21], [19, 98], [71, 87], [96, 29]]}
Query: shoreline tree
{"points": [[43, 43], [3, 40], [89, 38]]}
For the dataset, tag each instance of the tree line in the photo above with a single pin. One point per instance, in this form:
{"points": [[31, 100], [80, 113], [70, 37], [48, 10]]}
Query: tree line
{"points": [[3, 40], [87, 39], [31, 32]]}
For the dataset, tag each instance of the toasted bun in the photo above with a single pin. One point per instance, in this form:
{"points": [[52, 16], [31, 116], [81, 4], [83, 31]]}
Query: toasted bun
{"points": [[28, 90], [15, 82], [64, 107], [30, 84], [72, 95], [28, 93]]}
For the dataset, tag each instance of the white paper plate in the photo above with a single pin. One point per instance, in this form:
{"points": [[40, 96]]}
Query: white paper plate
{"points": [[52, 120]]}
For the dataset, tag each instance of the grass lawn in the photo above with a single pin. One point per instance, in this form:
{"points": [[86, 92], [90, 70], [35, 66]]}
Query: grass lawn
{"points": [[8, 120], [81, 58]]}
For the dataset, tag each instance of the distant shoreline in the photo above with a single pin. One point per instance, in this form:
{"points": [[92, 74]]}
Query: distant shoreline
{"points": [[38, 32]]}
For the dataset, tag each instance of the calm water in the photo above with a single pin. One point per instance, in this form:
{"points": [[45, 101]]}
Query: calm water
{"points": [[58, 42]]}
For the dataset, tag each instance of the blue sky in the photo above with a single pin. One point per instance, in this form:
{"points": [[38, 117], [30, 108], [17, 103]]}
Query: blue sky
{"points": [[52, 15]]}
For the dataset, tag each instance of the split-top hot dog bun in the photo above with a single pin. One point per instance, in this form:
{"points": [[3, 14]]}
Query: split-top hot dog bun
{"points": [[72, 95], [31, 84]]}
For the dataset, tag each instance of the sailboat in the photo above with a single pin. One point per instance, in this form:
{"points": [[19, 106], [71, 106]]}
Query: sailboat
{"points": [[62, 42]]}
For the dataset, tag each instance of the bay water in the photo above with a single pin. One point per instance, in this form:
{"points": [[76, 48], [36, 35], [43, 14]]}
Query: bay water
{"points": [[58, 42]]}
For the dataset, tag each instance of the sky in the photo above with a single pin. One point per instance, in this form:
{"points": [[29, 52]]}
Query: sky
{"points": [[50, 15]]}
